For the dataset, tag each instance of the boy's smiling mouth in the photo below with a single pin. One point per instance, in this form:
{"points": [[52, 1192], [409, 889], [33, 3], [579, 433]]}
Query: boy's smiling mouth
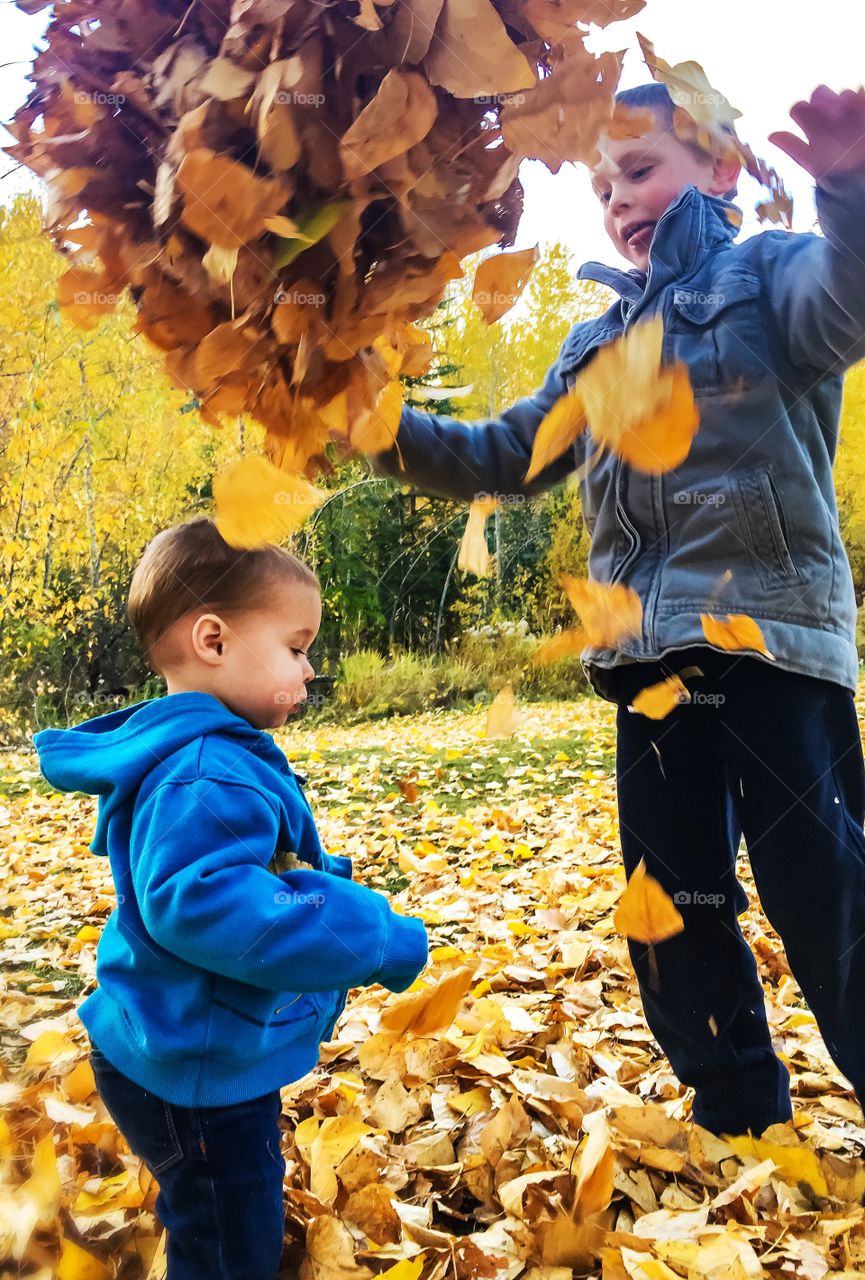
{"points": [[638, 235]]}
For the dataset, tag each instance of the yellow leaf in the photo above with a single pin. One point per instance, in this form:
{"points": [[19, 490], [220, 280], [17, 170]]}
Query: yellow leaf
{"points": [[567, 644], [646, 912], [595, 1172], [48, 1047], [658, 700], [257, 503], [735, 631], [406, 1269], [77, 1264], [378, 430], [432, 864], [609, 614], [470, 1103], [503, 718], [433, 1009], [641, 412], [557, 432], [88, 933], [499, 281], [796, 1164], [474, 556], [337, 1136]]}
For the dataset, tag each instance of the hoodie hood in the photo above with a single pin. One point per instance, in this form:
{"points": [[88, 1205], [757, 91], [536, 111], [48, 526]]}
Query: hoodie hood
{"points": [[109, 756]]}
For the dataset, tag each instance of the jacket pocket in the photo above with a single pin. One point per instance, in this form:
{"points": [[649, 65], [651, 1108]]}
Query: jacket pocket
{"points": [[628, 540], [763, 528], [718, 331], [246, 1021]]}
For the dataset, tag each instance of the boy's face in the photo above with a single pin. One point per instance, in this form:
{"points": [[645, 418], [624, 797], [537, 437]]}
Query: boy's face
{"points": [[637, 179], [255, 661]]}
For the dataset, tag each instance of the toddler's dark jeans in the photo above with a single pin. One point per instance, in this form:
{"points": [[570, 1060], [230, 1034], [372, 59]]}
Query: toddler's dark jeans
{"points": [[775, 756], [220, 1175]]}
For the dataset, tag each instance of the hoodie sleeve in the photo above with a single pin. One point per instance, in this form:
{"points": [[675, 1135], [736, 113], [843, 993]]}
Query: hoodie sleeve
{"points": [[204, 894], [472, 460], [817, 283], [338, 865]]}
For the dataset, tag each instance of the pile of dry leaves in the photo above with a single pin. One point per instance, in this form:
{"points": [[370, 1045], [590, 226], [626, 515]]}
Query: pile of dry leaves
{"points": [[510, 1116], [285, 187]]}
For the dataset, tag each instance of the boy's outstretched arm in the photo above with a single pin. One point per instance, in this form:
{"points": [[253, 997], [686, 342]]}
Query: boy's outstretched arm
{"points": [[474, 459], [817, 285], [199, 870]]}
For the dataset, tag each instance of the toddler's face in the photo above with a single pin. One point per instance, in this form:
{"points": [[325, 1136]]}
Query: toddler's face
{"points": [[637, 179], [265, 670]]}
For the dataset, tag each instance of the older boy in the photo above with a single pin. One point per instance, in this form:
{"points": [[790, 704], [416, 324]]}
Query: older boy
{"points": [[747, 524]]}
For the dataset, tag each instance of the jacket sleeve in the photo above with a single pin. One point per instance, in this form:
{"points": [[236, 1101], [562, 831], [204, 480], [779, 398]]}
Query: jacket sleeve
{"points": [[471, 460], [817, 283], [201, 882]]}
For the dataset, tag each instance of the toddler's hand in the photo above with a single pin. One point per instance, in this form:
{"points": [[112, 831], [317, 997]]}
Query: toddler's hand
{"points": [[834, 124]]}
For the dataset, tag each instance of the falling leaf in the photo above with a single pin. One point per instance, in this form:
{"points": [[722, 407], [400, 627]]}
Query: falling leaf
{"points": [[609, 613], [566, 644], [646, 912], [474, 555], [500, 280], [224, 202], [557, 432], [257, 503], [689, 88], [643, 413], [378, 430], [658, 700], [503, 719], [398, 117], [471, 54], [735, 631], [595, 1170], [562, 119], [313, 225]]}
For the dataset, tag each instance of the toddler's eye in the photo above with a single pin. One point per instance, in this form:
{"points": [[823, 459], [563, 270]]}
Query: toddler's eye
{"points": [[639, 173]]}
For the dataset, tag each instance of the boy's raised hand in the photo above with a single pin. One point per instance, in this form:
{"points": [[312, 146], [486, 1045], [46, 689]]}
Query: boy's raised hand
{"points": [[834, 124]]}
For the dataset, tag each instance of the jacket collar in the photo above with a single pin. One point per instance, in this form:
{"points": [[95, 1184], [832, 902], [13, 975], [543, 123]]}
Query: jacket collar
{"points": [[693, 225]]}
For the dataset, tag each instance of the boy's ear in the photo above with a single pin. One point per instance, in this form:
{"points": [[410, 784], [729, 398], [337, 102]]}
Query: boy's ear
{"points": [[725, 176]]}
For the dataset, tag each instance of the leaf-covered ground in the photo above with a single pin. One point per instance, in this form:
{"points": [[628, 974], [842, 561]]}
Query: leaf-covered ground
{"points": [[537, 1134]]}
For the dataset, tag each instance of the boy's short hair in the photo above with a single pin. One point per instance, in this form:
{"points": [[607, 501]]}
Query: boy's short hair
{"points": [[656, 97], [191, 566]]}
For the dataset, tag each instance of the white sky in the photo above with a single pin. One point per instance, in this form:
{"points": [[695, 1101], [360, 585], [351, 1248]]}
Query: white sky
{"points": [[763, 55]]}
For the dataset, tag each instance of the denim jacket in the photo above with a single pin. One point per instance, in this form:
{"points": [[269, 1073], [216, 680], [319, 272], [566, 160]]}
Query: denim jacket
{"points": [[767, 328]]}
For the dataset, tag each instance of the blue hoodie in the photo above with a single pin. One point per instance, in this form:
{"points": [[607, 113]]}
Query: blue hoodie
{"points": [[217, 976]]}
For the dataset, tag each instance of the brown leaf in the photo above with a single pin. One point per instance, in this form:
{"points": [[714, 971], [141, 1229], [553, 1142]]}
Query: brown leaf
{"points": [[399, 116]]}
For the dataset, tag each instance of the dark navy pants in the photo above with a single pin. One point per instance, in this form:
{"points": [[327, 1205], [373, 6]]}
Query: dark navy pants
{"points": [[777, 757], [220, 1175]]}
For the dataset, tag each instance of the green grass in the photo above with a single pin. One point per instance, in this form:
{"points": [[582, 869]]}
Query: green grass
{"points": [[462, 783]]}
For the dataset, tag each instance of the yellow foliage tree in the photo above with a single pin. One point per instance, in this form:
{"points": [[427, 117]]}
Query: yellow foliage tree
{"points": [[97, 452]]}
